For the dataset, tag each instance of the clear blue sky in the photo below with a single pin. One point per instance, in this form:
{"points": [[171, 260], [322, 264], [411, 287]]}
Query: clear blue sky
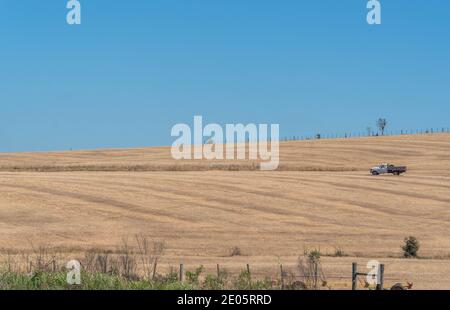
{"points": [[135, 68]]}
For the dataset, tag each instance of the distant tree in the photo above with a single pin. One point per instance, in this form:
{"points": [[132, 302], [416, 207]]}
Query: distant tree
{"points": [[382, 124], [318, 136]]}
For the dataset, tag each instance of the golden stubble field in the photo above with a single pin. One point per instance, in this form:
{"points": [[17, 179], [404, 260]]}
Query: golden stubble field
{"points": [[322, 197]]}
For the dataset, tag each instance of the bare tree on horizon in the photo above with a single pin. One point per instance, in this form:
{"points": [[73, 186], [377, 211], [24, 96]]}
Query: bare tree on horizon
{"points": [[382, 124]]}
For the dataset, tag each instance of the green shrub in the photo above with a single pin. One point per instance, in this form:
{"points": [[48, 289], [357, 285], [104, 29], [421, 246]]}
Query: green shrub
{"points": [[192, 278], [219, 282], [411, 247]]}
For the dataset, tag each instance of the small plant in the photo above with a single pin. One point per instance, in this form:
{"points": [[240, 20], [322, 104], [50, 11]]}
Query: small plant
{"points": [[193, 277], [411, 247], [150, 253], [310, 269], [339, 252], [243, 281], [236, 251], [216, 282], [313, 255]]}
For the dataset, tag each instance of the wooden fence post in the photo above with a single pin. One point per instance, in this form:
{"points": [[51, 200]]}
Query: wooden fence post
{"points": [[354, 272], [380, 284], [218, 271], [181, 273], [155, 265], [282, 277]]}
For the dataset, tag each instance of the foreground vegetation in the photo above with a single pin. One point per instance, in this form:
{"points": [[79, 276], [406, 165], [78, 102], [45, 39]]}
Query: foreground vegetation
{"points": [[98, 281], [133, 266]]}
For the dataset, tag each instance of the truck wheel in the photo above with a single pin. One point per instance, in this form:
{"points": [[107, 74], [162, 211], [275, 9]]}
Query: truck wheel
{"points": [[375, 173]]}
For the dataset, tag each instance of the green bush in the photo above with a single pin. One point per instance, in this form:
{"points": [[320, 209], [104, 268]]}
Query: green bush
{"points": [[411, 247], [193, 277], [244, 282], [219, 282]]}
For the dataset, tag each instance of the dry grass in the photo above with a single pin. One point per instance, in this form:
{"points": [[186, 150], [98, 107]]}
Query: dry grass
{"points": [[420, 152], [321, 197]]}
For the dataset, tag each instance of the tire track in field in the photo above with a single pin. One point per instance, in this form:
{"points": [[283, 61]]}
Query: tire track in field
{"points": [[228, 205], [136, 210], [182, 195], [372, 189], [327, 202], [386, 190], [233, 206], [375, 207]]}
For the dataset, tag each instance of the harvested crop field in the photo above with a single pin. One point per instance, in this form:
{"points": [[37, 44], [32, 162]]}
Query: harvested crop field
{"points": [[321, 197]]}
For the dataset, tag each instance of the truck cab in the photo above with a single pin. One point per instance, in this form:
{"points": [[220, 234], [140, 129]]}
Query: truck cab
{"points": [[380, 169]]}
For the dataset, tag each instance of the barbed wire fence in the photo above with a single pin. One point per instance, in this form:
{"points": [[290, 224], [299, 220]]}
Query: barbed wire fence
{"points": [[289, 278], [362, 134]]}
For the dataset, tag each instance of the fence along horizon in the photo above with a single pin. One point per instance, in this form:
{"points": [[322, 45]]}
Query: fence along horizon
{"points": [[212, 142]]}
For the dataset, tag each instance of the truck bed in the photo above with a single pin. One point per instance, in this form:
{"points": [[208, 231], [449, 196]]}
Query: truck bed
{"points": [[400, 169]]}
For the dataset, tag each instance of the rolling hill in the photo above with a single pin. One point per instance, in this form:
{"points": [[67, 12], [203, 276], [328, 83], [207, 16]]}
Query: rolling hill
{"points": [[322, 196]]}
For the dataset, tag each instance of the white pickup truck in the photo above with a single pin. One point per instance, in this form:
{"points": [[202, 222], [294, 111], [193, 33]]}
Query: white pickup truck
{"points": [[388, 168]]}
